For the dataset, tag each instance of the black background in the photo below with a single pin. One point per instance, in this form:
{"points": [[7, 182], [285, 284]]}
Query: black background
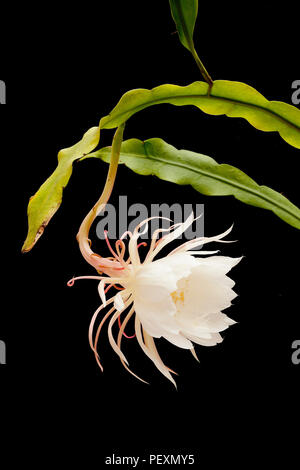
{"points": [[64, 69]]}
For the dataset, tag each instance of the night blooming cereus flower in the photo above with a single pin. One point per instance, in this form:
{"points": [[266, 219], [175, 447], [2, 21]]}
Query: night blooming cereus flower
{"points": [[178, 297]]}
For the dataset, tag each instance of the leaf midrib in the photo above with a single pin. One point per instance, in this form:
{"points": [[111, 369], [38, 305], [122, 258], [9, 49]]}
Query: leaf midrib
{"points": [[205, 97], [216, 177]]}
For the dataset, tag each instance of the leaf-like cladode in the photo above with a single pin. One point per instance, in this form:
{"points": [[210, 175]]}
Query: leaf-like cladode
{"points": [[43, 205], [156, 157], [234, 99], [184, 13]]}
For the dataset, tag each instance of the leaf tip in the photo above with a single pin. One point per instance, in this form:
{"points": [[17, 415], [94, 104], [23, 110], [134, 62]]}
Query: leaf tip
{"points": [[32, 239], [35, 232]]}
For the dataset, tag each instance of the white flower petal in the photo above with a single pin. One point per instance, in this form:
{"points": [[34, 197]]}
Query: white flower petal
{"points": [[173, 235], [197, 242], [206, 291], [101, 291], [157, 317], [118, 302], [216, 322], [151, 352], [155, 280], [179, 340], [220, 264], [215, 338]]}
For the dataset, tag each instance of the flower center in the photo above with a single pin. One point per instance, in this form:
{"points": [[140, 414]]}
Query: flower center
{"points": [[178, 296]]}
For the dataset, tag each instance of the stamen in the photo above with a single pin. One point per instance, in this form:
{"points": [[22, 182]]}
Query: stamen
{"points": [[118, 288], [142, 244], [113, 285], [107, 289]]}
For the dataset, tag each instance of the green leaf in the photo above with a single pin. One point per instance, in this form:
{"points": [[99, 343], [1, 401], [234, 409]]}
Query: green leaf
{"points": [[231, 98], [234, 99], [43, 205], [184, 13], [156, 157]]}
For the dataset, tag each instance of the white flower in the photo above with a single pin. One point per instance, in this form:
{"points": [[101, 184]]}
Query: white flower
{"points": [[178, 297]]}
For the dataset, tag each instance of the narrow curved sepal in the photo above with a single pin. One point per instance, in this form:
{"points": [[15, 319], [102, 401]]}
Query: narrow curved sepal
{"points": [[43, 205], [156, 157]]}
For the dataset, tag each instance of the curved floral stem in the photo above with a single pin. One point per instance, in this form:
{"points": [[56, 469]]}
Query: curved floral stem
{"points": [[83, 235]]}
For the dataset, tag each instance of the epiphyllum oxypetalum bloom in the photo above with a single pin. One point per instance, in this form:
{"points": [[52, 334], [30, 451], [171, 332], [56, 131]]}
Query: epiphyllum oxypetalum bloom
{"points": [[179, 297]]}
